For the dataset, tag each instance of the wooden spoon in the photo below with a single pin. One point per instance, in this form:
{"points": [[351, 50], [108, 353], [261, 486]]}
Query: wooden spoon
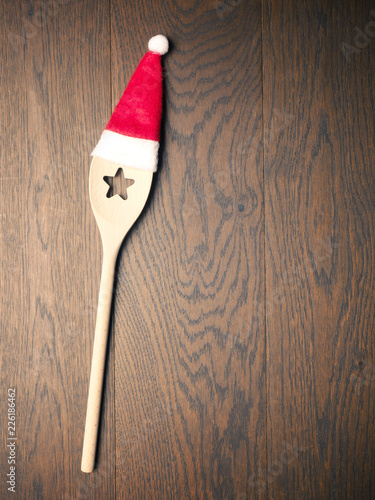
{"points": [[131, 138], [114, 216]]}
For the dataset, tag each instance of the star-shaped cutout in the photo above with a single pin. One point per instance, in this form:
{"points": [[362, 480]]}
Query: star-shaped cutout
{"points": [[118, 184]]}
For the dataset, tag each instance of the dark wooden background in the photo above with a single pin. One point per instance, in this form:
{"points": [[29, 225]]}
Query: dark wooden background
{"points": [[241, 361]]}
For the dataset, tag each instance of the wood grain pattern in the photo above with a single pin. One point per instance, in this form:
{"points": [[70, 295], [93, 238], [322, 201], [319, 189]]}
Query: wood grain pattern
{"points": [[244, 360], [319, 212], [50, 247], [190, 401]]}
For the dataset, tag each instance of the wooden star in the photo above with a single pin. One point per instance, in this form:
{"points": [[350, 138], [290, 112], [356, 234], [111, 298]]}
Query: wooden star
{"points": [[118, 184]]}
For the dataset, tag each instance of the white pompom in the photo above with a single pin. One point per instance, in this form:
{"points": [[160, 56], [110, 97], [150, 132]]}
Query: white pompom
{"points": [[158, 44]]}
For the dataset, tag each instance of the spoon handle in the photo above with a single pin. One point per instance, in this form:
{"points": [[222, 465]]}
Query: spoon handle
{"points": [[98, 361]]}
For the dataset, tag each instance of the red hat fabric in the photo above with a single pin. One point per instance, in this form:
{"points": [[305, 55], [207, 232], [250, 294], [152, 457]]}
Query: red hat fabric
{"points": [[131, 136]]}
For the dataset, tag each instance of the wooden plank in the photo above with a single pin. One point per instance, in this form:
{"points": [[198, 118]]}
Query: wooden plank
{"points": [[55, 81], [319, 219], [189, 355]]}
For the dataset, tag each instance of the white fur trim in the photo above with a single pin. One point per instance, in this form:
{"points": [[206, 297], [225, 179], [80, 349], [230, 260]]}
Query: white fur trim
{"points": [[128, 151], [158, 44]]}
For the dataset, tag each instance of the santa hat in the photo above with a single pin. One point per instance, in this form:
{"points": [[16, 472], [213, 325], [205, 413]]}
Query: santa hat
{"points": [[131, 137]]}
